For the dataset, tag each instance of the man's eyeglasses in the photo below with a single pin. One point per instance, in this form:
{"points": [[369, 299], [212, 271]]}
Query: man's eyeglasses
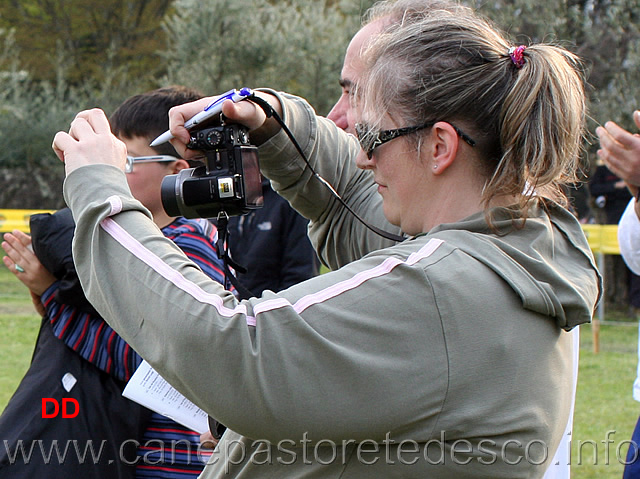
{"points": [[370, 141], [146, 159]]}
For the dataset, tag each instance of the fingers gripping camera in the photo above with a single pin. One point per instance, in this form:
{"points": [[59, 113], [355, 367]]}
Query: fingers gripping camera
{"points": [[228, 182]]}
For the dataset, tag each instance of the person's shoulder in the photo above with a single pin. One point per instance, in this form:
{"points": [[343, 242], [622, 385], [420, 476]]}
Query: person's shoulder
{"points": [[421, 251]]}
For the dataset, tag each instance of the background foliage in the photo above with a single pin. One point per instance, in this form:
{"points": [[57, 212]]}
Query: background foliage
{"points": [[295, 46], [88, 31], [58, 57]]}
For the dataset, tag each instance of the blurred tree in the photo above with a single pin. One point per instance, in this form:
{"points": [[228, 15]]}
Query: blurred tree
{"points": [[31, 112], [293, 45], [86, 30]]}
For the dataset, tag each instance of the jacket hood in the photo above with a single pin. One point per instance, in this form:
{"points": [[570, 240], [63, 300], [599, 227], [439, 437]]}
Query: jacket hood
{"points": [[548, 262], [52, 235]]}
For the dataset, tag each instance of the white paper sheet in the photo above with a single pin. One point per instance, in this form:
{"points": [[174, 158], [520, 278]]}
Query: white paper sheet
{"points": [[148, 388]]}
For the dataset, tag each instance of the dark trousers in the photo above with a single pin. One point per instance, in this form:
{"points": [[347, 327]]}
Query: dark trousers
{"points": [[632, 467]]}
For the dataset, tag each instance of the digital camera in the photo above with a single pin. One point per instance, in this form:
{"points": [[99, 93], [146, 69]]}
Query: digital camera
{"points": [[229, 181]]}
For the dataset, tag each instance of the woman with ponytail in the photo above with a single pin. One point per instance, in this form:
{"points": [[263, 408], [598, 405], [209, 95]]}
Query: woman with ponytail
{"points": [[443, 353]]}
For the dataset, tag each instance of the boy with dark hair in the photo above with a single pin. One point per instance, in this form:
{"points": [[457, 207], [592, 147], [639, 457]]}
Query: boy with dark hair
{"points": [[166, 449]]}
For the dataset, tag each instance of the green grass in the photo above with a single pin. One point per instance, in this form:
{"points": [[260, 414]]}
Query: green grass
{"points": [[604, 411], [19, 324]]}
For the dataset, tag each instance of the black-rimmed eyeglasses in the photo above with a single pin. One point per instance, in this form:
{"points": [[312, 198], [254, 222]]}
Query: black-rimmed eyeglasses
{"points": [[146, 159], [370, 141]]}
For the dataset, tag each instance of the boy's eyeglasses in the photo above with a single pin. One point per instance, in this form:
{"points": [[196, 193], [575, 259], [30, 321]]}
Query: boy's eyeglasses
{"points": [[146, 159], [370, 141]]}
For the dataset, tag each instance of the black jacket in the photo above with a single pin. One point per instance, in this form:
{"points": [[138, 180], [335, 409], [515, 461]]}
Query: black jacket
{"points": [[272, 243], [101, 440]]}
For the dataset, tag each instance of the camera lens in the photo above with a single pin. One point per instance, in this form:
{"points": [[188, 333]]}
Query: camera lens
{"points": [[170, 195]]}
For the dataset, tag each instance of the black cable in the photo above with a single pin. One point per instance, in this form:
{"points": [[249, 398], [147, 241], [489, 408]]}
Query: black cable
{"points": [[271, 113], [223, 234]]}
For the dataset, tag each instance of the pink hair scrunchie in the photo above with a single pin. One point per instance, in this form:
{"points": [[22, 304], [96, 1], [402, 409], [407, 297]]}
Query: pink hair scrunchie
{"points": [[517, 55]]}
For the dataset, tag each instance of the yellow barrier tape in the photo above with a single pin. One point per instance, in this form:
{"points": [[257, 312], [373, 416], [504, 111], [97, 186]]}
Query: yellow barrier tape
{"points": [[17, 219], [601, 238]]}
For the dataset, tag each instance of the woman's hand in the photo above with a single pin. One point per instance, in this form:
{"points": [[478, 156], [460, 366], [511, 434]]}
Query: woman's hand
{"points": [[89, 142], [22, 262], [244, 112]]}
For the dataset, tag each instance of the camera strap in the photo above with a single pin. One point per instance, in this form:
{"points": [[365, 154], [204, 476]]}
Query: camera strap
{"points": [[271, 113], [223, 253]]}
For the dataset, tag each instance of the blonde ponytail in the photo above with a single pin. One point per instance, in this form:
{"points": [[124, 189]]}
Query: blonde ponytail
{"points": [[524, 106]]}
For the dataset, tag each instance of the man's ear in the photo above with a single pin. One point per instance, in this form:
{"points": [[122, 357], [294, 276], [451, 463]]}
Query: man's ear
{"points": [[444, 146], [179, 165]]}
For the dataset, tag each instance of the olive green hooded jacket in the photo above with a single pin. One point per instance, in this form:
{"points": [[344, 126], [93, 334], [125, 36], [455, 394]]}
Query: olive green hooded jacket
{"points": [[446, 355]]}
